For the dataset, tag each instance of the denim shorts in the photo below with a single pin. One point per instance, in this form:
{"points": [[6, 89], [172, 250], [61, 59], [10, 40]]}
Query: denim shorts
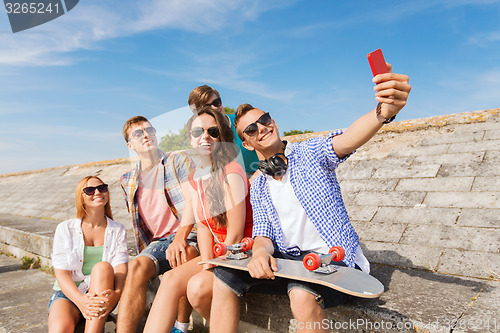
{"points": [[58, 294], [156, 251], [241, 283]]}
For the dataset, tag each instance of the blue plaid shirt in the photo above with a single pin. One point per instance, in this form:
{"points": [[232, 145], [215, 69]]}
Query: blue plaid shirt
{"points": [[312, 165], [176, 167]]}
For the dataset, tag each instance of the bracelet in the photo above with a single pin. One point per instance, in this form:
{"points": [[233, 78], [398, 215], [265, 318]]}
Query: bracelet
{"points": [[385, 120]]}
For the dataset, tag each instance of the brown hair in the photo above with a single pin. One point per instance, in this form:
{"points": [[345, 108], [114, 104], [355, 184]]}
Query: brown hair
{"points": [[240, 112], [80, 207], [199, 96], [132, 121], [220, 158]]}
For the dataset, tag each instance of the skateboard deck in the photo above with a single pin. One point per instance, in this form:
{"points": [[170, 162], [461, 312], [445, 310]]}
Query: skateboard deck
{"points": [[345, 279]]}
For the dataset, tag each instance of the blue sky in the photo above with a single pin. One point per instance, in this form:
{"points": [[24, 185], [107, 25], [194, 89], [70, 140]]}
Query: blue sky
{"points": [[67, 86]]}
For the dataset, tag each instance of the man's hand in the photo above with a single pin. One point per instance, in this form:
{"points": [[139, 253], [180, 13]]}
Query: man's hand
{"points": [[176, 252], [262, 266], [392, 90]]}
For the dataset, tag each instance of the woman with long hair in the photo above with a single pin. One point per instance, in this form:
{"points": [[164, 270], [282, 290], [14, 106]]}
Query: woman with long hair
{"points": [[90, 261], [216, 198]]}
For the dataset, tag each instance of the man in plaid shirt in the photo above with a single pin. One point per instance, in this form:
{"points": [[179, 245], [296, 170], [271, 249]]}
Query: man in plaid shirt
{"points": [[152, 191], [298, 208]]}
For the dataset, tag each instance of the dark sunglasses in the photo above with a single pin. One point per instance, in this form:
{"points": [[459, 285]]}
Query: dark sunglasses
{"points": [[215, 103], [212, 131], [252, 129], [103, 188], [138, 133]]}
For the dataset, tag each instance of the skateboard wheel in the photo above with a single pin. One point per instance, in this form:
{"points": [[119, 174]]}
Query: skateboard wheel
{"points": [[220, 249], [247, 243], [312, 261], [338, 253]]}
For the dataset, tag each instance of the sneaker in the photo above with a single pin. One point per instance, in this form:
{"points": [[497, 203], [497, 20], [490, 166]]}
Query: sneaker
{"points": [[176, 330]]}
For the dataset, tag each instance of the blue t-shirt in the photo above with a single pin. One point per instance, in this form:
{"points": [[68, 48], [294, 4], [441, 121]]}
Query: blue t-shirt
{"points": [[250, 159]]}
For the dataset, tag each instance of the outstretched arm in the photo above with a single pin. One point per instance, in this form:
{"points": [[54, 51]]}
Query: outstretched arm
{"points": [[392, 91]]}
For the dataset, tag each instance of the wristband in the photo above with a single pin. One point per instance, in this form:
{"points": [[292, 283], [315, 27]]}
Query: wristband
{"points": [[379, 116]]}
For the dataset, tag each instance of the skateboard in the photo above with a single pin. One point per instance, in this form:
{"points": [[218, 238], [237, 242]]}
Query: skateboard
{"points": [[317, 269]]}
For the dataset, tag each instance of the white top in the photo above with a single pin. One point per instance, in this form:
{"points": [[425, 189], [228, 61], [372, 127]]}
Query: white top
{"points": [[68, 247], [298, 230]]}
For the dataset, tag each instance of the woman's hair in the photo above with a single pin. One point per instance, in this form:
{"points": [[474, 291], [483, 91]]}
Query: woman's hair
{"points": [[220, 157], [80, 207]]}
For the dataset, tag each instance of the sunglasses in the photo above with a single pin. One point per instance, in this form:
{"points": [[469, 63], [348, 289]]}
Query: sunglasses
{"points": [[252, 129], [212, 131], [103, 188], [139, 133], [215, 103]]}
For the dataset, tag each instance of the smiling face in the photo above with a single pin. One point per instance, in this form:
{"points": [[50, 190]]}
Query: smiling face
{"points": [[267, 138], [204, 143], [96, 200], [145, 142]]}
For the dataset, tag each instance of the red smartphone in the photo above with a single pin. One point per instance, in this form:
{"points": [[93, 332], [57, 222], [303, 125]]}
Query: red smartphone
{"points": [[377, 62]]}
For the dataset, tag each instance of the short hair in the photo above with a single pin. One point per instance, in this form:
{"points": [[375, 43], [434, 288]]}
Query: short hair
{"points": [[80, 208], [199, 96], [132, 121], [240, 112]]}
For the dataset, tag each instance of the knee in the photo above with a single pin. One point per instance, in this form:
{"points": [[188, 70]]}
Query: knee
{"points": [[140, 270], [172, 283], [198, 291], [103, 269], [303, 304], [191, 252]]}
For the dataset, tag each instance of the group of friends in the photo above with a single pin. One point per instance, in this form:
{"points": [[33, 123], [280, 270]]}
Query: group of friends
{"points": [[284, 195]]}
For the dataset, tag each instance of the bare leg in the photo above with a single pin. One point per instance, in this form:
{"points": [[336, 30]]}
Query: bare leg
{"points": [[224, 302], [102, 278], [133, 300], [173, 286], [199, 292], [306, 311], [185, 309], [63, 316]]}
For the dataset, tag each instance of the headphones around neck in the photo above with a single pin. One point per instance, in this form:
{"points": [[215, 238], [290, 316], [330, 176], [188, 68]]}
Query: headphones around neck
{"points": [[275, 165]]}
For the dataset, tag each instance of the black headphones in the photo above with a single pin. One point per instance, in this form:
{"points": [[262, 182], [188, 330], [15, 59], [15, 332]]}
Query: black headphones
{"points": [[275, 165]]}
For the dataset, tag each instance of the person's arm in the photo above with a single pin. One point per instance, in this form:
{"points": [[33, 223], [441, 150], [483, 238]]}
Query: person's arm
{"points": [[205, 243], [263, 264], [235, 191], [392, 91], [176, 251]]}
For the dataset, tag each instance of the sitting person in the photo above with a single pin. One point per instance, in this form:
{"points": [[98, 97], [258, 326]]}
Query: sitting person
{"points": [[90, 261], [298, 208], [217, 198], [152, 191], [206, 96]]}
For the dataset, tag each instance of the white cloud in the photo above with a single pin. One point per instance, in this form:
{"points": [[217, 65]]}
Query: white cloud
{"points": [[94, 21]]}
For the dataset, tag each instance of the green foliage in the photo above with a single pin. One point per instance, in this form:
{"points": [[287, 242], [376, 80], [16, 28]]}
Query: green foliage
{"points": [[295, 132], [28, 262], [175, 141], [229, 110]]}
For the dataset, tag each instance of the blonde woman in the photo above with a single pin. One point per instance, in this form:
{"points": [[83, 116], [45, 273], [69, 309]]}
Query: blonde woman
{"points": [[90, 261]]}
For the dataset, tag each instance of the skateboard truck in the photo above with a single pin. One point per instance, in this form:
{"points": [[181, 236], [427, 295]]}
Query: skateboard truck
{"points": [[321, 264], [236, 251]]}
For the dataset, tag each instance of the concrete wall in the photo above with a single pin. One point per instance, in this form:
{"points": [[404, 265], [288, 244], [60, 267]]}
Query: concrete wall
{"points": [[423, 193]]}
